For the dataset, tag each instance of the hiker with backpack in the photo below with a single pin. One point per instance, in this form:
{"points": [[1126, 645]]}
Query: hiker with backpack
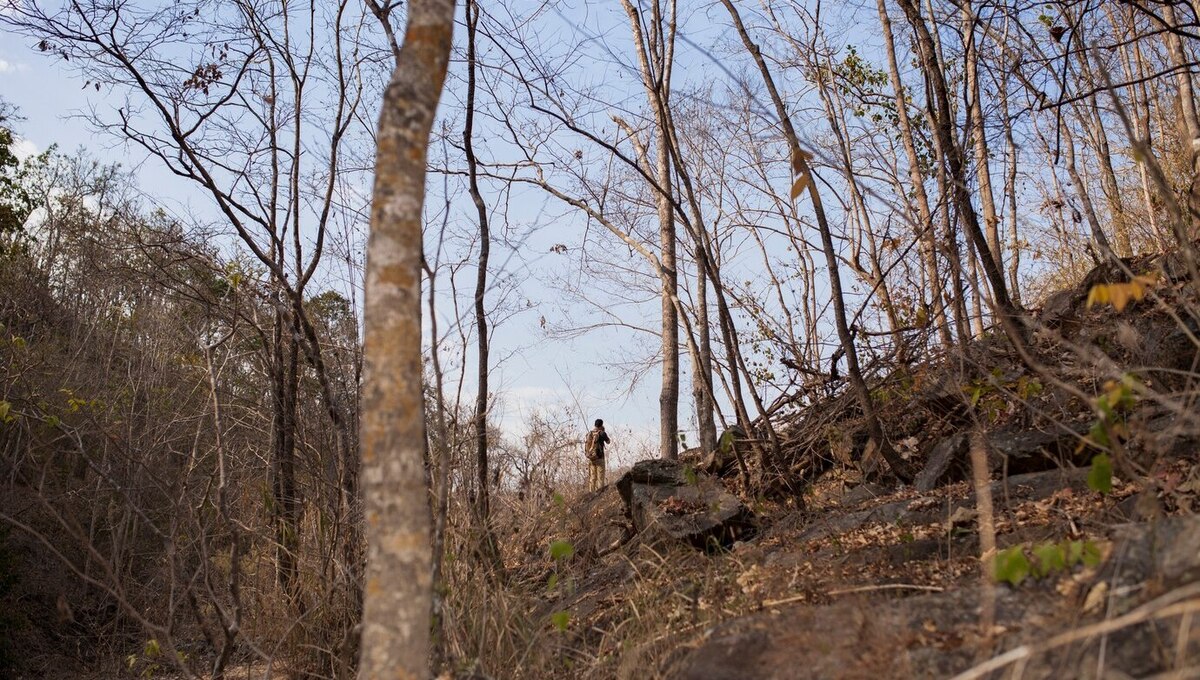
{"points": [[593, 448]]}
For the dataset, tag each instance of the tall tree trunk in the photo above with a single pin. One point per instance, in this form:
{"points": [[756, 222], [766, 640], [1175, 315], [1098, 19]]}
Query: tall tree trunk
{"points": [[978, 132], [482, 500], [976, 294], [1093, 125], [441, 483], [668, 397], [702, 367], [655, 53], [1189, 130], [1011, 156], [1089, 210], [925, 229], [1135, 71], [283, 430], [398, 586]]}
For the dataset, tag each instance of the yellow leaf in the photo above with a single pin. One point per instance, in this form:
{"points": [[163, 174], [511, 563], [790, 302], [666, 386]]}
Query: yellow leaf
{"points": [[800, 159], [1119, 295], [800, 185]]}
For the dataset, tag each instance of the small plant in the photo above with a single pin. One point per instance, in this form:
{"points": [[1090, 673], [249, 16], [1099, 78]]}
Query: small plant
{"points": [[148, 660], [561, 550], [1109, 429], [689, 475], [1013, 565], [561, 620]]}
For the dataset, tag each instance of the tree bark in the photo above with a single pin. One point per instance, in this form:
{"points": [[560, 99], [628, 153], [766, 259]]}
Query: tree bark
{"points": [[987, 201], [398, 585], [1189, 130], [482, 498], [702, 367]]}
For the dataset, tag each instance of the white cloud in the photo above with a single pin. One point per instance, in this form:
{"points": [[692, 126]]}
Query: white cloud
{"points": [[7, 66], [23, 148], [515, 405]]}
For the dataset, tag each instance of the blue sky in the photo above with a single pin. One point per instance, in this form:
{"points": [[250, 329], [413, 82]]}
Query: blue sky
{"points": [[531, 367], [530, 370]]}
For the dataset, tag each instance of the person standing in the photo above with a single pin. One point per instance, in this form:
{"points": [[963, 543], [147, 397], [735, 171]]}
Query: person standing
{"points": [[593, 448]]}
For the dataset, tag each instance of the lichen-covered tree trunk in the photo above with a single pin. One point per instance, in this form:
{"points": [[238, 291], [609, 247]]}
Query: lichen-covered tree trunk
{"points": [[702, 366], [398, 587]]}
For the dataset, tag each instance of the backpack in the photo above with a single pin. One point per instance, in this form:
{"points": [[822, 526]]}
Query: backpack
{"points": [[591, 445]]}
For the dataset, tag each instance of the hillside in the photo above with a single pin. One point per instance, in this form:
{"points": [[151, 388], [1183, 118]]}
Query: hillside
{"points": [[1098, 560]]}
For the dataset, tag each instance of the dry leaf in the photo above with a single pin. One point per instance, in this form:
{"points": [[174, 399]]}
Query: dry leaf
{"points": [[800, 185], [1095, 598], [1119, 295], [800, 159]]}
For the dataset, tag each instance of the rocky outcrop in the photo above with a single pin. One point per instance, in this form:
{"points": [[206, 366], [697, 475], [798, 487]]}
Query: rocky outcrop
{"points": [[670, 500], [1010, 450], [936, 635]]}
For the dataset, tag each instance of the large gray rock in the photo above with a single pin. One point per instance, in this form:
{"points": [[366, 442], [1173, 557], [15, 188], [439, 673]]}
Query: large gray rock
{"points": [[944, 464], [667, 499], [1012, 450]]}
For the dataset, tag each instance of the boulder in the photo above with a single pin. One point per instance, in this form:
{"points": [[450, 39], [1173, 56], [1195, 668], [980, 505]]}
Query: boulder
{"points": [[1020, 450], [1014, 450], [669, 500], [601, 523], [944, 463]]}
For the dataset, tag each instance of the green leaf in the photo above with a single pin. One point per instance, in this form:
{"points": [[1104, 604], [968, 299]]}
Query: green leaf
{"points": [[975, 395], [558, 500], [552, 581], [52, 421], [1011, 565], [4, 407], [152, 649], [689, 475], [1091, 554], [726, 443], [561, 620], [1074, 550], [561, 550], [1051, 559], [1100, 477]]}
